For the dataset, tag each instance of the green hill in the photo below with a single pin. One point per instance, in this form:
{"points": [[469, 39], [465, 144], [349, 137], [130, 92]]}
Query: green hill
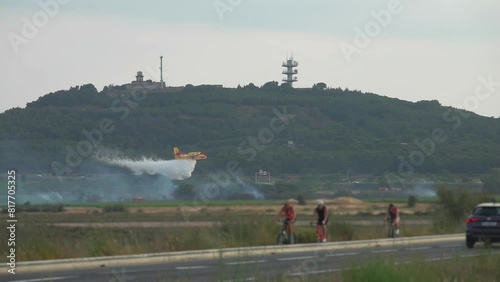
{"points": [[251, 128]]}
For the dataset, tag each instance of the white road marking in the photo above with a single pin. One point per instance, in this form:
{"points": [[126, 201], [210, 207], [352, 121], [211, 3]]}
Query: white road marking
{"points": [[434, 259], [418, 248], [341, 254], [384, 251], [471, 255], [190, 267], [245, 262], [451, 246], [296, 258], [314, 272], [476, 255], [45, 279], [402, 262]]}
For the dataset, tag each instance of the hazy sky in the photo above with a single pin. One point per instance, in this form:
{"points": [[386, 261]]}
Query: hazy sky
{"points": [[412, 50]]}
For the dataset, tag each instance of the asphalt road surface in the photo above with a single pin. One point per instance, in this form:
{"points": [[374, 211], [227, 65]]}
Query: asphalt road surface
{"points": [[296, 266]]}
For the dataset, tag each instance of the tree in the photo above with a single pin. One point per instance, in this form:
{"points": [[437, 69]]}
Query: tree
{"points": [[333, 132], [251, 86], [185, 192], [271, 85], [286, 86], [300, 198], [319, 86], [412, 201]]}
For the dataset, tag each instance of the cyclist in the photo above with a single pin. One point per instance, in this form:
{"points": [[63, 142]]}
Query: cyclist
{"points": [[393, 214], [289, 212], [321, 214]]}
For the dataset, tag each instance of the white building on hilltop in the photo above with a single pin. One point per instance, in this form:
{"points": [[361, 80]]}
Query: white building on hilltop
{"points": [[141, 84]]}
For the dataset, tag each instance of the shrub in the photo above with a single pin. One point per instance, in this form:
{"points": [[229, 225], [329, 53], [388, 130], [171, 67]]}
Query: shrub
{"points": [[115, 208], [455, 206], [301, 200], [412, 201]]}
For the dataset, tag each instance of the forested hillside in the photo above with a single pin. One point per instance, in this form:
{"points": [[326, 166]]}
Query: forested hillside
{"points": [[331, 130]]}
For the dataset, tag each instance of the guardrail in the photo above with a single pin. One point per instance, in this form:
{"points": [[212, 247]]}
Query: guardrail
{"points": [[151, 258]]}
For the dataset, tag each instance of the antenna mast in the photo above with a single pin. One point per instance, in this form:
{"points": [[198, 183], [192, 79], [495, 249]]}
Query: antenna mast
{"points": [[290, 70], [161, 71]]}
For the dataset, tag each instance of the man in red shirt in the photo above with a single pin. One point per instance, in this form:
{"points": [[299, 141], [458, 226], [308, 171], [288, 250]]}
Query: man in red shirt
{"points": [[289, 212], [393, 215]]}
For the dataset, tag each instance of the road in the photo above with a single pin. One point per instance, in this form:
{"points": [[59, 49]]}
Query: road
{"points": [[265, 267]]}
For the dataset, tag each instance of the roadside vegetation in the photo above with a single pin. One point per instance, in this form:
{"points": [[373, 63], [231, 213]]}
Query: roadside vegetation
{"points": [[42, 241], [483, 268], [478, 269], [453, 208]]}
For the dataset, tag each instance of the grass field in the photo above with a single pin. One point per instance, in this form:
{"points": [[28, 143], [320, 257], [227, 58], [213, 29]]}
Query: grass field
{"points": [[484, 268], [198, 202], [144, 228], [42, 241], [402, 200]]}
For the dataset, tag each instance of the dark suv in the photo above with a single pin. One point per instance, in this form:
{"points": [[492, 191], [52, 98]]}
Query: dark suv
{"points": [[483, 224]]}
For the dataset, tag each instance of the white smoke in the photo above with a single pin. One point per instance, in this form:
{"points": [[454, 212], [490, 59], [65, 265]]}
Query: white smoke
{"points": [[423, 191], [173, 169], [250, 189], [50, 197]]}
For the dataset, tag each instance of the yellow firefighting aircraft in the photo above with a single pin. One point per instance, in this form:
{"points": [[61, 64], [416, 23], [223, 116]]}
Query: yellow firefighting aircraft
{"points": [[199, 156]]}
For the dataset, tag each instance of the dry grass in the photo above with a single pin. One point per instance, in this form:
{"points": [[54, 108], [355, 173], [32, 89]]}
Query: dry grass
{"points": [[78, 232], [341, 206]]}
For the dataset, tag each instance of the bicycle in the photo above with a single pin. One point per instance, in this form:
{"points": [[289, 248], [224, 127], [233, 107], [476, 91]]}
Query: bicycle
{"points": [[320, 237], [283, 238]]}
